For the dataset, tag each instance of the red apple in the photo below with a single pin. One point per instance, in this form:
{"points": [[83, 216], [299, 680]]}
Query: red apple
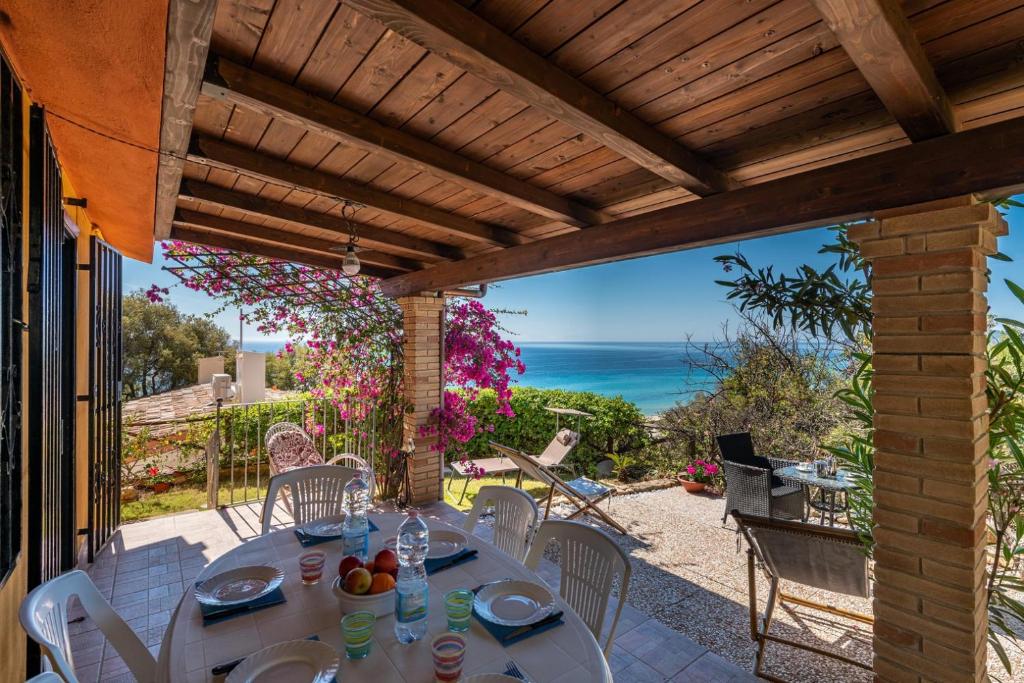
{"points": [[386, 562], [358, 581], [348, 564]]}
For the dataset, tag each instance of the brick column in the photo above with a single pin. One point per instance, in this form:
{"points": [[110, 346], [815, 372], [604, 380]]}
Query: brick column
{"points": [[931, 437], [422, 320]]}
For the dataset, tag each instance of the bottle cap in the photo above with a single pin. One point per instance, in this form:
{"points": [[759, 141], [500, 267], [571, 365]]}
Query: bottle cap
{"points": [[357, 475], [414, 513]]}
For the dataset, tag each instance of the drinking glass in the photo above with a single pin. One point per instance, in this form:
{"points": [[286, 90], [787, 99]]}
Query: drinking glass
{"points": [[357, 630], [459, 605], [449, 651], [311, 565]]}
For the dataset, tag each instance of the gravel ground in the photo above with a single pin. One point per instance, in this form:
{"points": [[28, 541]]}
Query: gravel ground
{"points": [[689, 574]]}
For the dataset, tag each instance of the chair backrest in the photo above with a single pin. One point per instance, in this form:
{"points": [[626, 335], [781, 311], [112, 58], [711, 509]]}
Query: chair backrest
{"points": [[589, 561], [316, 492], [275, 429], [44, 616], [737, 447], [515, 518], [822, 557], [290, 448], [559, 447]]}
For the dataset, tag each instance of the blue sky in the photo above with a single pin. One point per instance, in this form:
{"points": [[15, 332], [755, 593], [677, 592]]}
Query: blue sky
{"points": [[658, 298]]}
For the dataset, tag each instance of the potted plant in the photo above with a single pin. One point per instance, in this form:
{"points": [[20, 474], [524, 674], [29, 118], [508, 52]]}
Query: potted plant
{"points": [[697, 475], [159, 483]]}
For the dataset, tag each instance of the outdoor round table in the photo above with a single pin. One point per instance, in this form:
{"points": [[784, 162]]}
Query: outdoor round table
{"points": [[567, 653], [828, 487]]}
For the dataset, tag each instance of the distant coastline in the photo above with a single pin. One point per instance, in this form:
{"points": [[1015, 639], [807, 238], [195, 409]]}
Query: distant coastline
{"points": [[653, 375]]}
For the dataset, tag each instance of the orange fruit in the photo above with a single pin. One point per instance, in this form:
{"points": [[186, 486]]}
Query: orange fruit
{"points": [[381, 583], [369, 566]]}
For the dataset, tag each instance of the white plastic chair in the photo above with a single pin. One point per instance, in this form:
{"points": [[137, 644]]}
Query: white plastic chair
{"points": [[44, 616], [275, 429], [589, 560], [515, 518], [315, 492], [354, 461]]}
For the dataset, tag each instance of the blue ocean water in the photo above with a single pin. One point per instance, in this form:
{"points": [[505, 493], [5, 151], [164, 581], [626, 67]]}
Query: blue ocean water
{"points": [[653, 375]]}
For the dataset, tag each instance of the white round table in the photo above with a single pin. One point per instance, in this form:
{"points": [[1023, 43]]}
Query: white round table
{"points": [[566, 654]]}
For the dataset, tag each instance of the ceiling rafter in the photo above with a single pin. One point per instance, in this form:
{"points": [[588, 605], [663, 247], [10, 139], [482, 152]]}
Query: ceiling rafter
{"points": [[211, 152], [464, 39], [239, 85], [878, 38], [378, 238]]}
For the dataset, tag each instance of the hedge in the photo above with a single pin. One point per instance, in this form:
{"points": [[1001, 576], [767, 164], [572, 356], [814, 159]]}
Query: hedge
{"points": [[617, 425]]}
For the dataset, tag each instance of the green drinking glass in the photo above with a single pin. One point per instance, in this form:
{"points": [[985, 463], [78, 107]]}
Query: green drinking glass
{"points": [[357, 630], [458, 604]]}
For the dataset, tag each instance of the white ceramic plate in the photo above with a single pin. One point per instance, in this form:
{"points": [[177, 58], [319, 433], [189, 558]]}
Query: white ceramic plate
{"points": [[237, 586], [514, 603], [328, 527], [305, 661], [445, 543], [491, 678]]}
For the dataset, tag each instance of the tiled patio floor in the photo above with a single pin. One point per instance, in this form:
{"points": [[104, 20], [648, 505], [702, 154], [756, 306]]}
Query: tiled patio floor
{"points": [[147, 565]]}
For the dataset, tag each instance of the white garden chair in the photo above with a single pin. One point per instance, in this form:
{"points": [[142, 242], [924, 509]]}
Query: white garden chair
{"points": [[44, 616], [515, 518], [275, 429], [312, 493], [589, 560]]}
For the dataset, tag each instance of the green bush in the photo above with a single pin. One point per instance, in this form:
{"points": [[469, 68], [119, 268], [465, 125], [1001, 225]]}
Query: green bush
{"points": [[617, 425]]}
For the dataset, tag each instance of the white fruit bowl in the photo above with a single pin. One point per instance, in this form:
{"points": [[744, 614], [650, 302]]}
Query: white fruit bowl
{"points": [[380, 604]]}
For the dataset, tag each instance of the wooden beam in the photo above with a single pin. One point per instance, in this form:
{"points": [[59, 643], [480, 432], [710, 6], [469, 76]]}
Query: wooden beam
{"points": [[956, 164], [464, 39], [287, 239], [211, 152], [189, 24], [220, 241], [369, 235], [878, 38], [242, 86]]}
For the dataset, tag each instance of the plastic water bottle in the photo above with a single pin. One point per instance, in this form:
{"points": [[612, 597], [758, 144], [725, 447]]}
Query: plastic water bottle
{"points": [[355, 531], [411, 591]]}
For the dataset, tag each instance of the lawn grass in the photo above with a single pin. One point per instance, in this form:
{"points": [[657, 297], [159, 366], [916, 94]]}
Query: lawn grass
{"points": [[534, 488], [181, 499]]}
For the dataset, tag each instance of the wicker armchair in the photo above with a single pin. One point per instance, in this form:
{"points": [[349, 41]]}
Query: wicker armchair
{"points": [[750, 486]]}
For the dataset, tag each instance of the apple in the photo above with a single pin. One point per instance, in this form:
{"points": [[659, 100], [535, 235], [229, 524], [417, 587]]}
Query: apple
{"points": [[348, 564], [358, 581], [386, 562]]}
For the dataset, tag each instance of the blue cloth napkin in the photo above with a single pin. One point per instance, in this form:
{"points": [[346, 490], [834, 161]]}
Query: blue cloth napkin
{"points": [[305, 540], [213, 614], [436, 564], [505, 634]]}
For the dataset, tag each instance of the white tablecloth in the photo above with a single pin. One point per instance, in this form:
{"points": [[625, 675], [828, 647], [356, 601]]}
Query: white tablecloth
{"points": [[565, 654]]}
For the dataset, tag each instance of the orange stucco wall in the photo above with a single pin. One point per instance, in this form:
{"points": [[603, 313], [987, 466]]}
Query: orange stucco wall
{"points": [[100, 64]]}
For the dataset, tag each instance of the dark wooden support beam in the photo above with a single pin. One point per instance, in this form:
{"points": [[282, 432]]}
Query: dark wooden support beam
{"points": [[371, 236], [189, 25], [880, 41], [221, 241], [287, 239], [953, 165], [242, 86], [461, 37], [205, 150]]}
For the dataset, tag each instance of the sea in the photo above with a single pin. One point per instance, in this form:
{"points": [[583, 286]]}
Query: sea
{"points": [[653, 375]]}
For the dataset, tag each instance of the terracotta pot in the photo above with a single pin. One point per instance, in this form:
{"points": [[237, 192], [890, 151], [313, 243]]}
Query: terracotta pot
{"points": [[691, 486], [161, 486]]}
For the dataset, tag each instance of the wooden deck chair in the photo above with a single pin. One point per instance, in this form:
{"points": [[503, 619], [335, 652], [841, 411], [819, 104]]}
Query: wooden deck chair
{"points": [[822, 557], [583, 493]]}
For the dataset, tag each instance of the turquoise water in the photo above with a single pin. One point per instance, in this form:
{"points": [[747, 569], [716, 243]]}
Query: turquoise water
{"points": [[653, 375]]}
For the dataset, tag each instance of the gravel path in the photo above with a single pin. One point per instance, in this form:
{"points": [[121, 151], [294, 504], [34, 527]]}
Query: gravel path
{"points": [[689, 574]]}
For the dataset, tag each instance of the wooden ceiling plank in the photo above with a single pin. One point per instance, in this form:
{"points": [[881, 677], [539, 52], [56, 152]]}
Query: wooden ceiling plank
{"points": [[246, 230], [956, 164], [245, 87], [189, 26], [461, 37], [232, 243], [249, 162], [880, 41], [378, 238]]}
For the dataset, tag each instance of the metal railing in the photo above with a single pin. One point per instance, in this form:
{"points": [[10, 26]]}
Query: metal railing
{"points": [[239, 449]]}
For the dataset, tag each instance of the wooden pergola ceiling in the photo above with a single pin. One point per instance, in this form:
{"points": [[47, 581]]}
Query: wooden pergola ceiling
{"points": [[491, 139]]}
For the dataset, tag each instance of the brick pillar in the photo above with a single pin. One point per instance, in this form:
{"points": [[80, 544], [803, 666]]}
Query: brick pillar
{"points": [[931, 437], [422, 320]]}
